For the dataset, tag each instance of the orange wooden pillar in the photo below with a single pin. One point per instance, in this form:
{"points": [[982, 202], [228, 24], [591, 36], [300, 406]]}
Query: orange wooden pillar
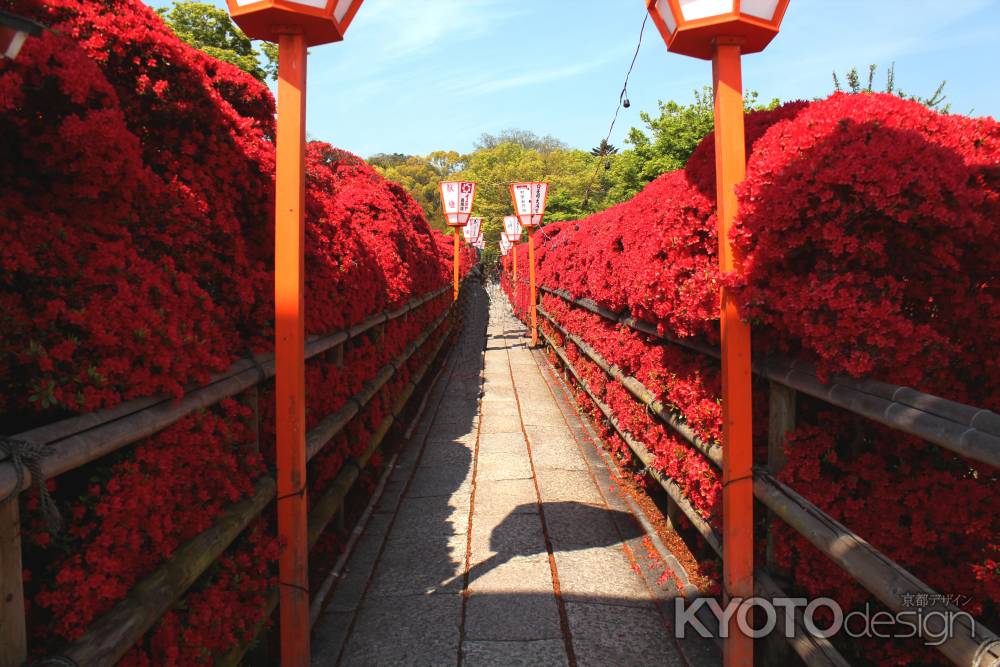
{"points": [[456, 262], [289, 349], [514, 252], [534, 294], [737, 480]]}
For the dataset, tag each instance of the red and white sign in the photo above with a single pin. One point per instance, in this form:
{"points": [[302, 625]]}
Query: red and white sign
{"points": [[512, 228], [471, 230], [480, 243], [505, 245], [456, 201], [529, 202]]}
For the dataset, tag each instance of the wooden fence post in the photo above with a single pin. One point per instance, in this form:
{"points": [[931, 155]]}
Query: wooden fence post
{"points": [[780, 422], [13, 634]]}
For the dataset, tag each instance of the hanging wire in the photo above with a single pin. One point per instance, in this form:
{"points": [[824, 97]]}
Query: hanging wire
{"points": [[623, 101]]}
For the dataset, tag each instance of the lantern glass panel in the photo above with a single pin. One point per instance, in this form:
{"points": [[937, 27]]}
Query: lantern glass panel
{"points": [[700, 9], [663, 7], [763, 9], [340, 11]]}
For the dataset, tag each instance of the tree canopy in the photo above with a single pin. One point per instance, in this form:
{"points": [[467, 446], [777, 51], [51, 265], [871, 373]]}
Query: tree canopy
{"points": [[210, 29]]}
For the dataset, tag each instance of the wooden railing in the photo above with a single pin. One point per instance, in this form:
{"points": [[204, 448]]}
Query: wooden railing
{"points": [[76, 441], [969, 431]]}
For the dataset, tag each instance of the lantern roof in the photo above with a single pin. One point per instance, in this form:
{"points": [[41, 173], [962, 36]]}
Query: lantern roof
{"points": [[692, 27], [319, 21]]}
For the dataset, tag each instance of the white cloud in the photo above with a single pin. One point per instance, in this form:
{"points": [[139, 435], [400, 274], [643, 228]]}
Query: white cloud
{"points": [[529, 77]]}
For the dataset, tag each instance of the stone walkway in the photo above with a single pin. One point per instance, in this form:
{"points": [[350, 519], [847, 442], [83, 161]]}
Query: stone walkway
{"points": [[499, 539]]}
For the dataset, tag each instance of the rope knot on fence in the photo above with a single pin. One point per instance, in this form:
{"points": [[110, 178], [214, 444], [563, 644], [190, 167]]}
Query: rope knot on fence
{"points": [[26, 455]]}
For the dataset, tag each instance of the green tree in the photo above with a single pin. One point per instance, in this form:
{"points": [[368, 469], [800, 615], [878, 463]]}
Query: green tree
{"points": [[210, 29], [666, 143], [604, 149], [854, 85], [420, 177], [524, 138]]}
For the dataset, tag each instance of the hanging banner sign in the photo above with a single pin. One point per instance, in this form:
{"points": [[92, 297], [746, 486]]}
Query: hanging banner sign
{"points": [[480, 242], [529, 202], [512, 228], [456, 201]]}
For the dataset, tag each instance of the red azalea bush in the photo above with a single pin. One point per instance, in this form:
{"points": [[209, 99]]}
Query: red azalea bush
{"points": [[137, 214], [133, 516], [863, 219], [136, 239], [223, 611], [934, 514]]}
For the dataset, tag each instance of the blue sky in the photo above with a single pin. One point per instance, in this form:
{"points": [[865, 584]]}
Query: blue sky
{"points": [[416, 76]]}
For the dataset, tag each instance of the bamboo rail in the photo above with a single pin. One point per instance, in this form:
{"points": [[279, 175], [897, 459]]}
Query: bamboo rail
{"points": [[966, 430], [113, 634], [327, 506], [79, 440], [882, 577], [814, 651]]}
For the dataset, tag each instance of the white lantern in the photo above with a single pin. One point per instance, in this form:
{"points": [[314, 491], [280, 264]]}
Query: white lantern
{"points": [[512, 228], [456, 201], [471, 229], [529, 202]]}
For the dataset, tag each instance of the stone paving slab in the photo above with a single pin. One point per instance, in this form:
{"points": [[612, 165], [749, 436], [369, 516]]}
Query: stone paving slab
{"points": [[568, 485], [420, 516], [500, 495], [420, 630], [527, 575], [557, 455], [512, 617], [507, 535], [493, 504], [540, 653], [606, 635], [600, 574], [415, 567], [503, 465], [441, 481]]}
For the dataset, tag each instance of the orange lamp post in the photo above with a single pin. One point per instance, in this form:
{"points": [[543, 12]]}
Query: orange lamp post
{"points": [[512, 229], [721, 31], [529, 204], [456, 202], [294, 26]]}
